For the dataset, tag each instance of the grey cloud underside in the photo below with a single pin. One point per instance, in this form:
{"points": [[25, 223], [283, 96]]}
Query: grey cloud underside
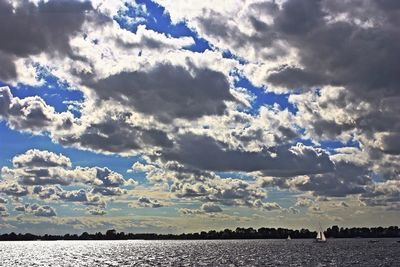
{"points": [[38, 158], [206, 153], [347, 179], [14, 189], [210, 208], [167, 92], [30, 29], [114, 134], [147, 202], [37, 210], [31, 114]]}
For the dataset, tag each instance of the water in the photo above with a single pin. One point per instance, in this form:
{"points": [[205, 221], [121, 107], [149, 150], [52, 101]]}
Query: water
{"points": [[336, 252]]}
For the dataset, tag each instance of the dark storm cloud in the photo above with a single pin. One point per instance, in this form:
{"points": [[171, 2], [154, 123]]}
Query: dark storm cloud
{"points": [[295, 78], [114, 134], [5, 100], [8, 70], [206, 153], [364, 59], [299, 16], [168, 92], [30, 29], [391, 143]]}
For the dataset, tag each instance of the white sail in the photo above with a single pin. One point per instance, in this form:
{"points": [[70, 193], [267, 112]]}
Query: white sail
{"points": [[319, 235], [323, 236], [289, 238]]}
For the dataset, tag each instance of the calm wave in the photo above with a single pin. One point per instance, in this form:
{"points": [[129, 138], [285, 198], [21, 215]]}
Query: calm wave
{"points": [[337, 252]]}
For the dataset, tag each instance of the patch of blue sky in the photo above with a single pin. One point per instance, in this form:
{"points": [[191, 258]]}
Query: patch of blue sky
{"points": [[230, 55], [263, 97], [154, 17], [333, 144], [284, 198], [235, 175], [329, 145]]}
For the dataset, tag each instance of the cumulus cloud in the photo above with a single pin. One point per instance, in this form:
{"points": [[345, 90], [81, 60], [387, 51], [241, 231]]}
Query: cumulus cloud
{"points": [[96, 211], [31, 114], [41, 167], [40, 158], [176, 93], [3, 211], [210, 208], [268, 206], [206, 208], [44, 175], [37, 210], [113, 132], [13, 189], [146, 202]]}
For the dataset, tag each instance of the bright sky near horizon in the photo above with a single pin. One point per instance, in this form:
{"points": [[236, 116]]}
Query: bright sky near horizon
{"points": [[177, 116]]}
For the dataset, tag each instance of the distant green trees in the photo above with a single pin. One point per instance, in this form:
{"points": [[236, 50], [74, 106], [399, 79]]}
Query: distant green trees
{"points": [[238, 233]]}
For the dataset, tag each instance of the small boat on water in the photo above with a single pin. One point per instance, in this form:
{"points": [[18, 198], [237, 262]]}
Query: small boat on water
{"points": [[320, 236], [289, 238]]}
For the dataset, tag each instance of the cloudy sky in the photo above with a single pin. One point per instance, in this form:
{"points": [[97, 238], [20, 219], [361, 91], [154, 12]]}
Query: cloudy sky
{"points": [[185, 115]]}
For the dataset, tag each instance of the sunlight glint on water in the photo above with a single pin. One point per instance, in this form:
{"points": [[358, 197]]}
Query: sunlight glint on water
{"points": [[338, 252]]}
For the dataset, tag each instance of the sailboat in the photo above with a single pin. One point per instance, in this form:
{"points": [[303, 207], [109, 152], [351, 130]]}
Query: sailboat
{"points": [[320, 236], [289, 238]]}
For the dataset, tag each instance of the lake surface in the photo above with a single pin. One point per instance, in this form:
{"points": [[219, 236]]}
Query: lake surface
{"points": [[336, 252]]}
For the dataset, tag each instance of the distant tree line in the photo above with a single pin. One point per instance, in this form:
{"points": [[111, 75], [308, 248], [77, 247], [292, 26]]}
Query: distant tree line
{"points": [[239, 233]]}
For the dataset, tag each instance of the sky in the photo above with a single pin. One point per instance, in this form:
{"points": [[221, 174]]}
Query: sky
{"points": [[181, 116]]}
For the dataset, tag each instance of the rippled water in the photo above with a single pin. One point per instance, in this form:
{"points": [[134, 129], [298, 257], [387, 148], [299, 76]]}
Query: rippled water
{"points": [[336, 252]]}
